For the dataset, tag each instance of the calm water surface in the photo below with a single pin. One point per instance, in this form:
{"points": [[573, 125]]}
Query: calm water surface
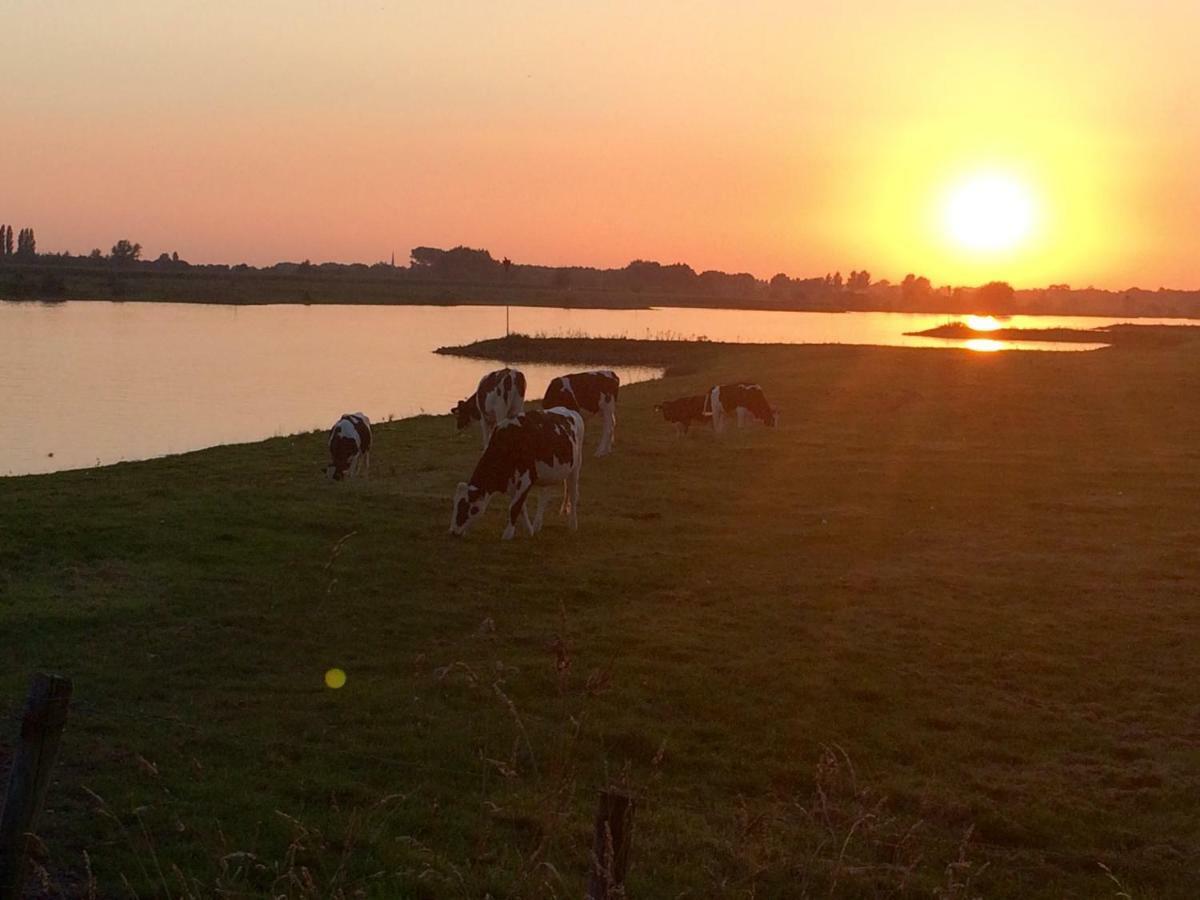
{"points": [[93, 383]]}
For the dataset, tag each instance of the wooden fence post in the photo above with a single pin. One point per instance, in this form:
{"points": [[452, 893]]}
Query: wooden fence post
{"points": [[29, 777], [610, 847]]}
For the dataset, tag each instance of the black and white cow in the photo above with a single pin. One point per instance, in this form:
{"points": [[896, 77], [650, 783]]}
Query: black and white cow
{"points": [[588, 393], [349, 447], [742, 401], [500, 396], [538, 448], [684, 411]]}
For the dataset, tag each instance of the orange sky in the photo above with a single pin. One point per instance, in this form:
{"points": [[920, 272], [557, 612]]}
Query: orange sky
{"points": [[764, 137]]}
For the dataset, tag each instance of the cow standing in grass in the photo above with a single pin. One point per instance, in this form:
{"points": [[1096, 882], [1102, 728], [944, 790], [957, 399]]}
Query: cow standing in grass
{"points": [[588, 393], [349, 447], [500, 396], [684, 411], [536, 449], [743, 401]]}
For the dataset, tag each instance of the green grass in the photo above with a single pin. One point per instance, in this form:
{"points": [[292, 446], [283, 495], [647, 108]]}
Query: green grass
{"points": [[939, 632]]}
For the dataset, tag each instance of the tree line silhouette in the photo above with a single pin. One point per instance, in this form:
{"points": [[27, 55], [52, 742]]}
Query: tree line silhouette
{"points": [[471, 273], [25, 247]]}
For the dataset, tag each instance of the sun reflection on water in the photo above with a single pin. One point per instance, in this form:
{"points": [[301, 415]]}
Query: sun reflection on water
{"points": [[983, 323], [985, 345]]}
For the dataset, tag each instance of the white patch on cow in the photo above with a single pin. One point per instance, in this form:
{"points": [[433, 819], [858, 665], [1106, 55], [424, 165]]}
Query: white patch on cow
{"points": [[570, 503], [475, 507], [499, 405], [718, 411]]}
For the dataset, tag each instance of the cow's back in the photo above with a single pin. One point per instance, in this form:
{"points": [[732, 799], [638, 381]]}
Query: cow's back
{"points": [[583, 391]]}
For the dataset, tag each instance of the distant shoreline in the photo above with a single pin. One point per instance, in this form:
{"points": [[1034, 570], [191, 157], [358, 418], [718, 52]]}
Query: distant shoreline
{"points": [[621, 304], [48, 282]]}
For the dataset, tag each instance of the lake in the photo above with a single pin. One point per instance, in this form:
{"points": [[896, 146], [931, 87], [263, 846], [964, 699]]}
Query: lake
{"points": [[93, 383]]}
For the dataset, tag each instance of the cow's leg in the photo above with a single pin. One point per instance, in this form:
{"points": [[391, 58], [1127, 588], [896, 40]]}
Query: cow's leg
{"points": [[517, 510], [543, 497], [608, 417], [367, 464], [571, 498], [741, 417], [718, 419], [487, 432]]}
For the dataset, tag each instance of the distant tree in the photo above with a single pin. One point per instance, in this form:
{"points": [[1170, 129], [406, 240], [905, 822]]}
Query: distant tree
{"points": [[305, 266], [5, 240], [507, 263], [123, 252], [96, 254], [1059, 287], [995, 297], [915, 287], [779, 284], [26, 244], [837, 279], [175, 256], [859, 281]]}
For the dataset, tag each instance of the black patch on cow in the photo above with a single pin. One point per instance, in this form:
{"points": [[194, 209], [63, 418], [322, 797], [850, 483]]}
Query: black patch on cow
{"points": [[516, 448], [363, 427], [582, 391], [686, 410], [466, 412], [748, 396]]}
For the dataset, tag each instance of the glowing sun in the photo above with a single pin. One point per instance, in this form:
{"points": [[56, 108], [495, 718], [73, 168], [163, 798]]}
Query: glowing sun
{"points": [[989, 212]]}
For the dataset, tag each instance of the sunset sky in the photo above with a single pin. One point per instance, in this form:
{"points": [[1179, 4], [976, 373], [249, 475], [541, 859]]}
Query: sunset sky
{"points": [[799, 137]]}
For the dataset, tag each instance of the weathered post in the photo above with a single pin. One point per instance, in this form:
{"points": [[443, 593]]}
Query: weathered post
{"points": [[33, 759], [610, 847]]}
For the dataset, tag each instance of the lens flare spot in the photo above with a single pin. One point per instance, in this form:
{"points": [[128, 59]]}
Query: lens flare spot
{"points": [[335, 678]]}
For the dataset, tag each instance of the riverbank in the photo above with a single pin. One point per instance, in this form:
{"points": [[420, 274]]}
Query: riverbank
{"points": [[938, 629]]}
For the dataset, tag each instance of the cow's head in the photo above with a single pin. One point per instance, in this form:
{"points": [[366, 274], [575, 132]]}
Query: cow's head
{"points": [[465, 412], [469, 504]]}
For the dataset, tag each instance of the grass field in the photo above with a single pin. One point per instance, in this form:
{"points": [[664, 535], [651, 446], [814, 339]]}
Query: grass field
{"points": [[937, 635]]}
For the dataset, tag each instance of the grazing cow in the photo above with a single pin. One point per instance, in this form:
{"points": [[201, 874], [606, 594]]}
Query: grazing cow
{"points": [[500, 396], [538, 448], [588, 393], [349, 447], [684, 411], [741, 400]]}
